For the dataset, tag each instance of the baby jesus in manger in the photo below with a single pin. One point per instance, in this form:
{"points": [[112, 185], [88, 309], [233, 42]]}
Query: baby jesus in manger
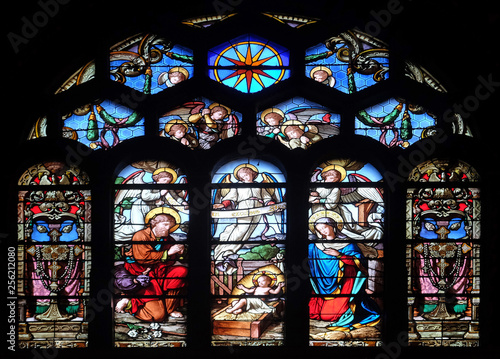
{"points": [[264, 285]]}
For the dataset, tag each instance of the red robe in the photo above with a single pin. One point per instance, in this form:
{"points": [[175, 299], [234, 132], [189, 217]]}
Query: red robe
{"points": [[165, 278]]}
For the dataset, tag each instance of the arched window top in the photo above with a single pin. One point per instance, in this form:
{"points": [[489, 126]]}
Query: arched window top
{"points": [[345, 170], [261, 171], [152, 172], [53, 173], [443, 170], [298, 123], [150, 63]]}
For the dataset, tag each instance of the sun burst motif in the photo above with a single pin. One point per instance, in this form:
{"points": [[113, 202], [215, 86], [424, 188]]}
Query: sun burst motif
{"points": [[249, 65]]}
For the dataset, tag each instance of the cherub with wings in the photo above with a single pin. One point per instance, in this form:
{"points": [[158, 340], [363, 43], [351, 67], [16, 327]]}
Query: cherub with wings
{"points": [[299, 127], [211, 124], [244, 199], [178, 130], [132, 204]]}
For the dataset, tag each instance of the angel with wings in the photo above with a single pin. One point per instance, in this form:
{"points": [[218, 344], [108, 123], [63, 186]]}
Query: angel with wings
{"points": [[298, 127], [367, 224], [368, 200], [132, 204], [208, 124], [244, 199]]}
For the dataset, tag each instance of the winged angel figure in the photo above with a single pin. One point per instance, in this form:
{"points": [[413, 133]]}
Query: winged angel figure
{"points": [[298, 127], [133, 203], [194, 124], [369, 202], [246, 211]]}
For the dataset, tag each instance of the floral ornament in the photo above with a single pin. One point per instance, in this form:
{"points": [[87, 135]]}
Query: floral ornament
{"points": [[136, 331]]}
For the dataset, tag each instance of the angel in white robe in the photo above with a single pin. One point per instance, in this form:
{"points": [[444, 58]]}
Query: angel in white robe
{"points": [[240, 198], [141, 201]]}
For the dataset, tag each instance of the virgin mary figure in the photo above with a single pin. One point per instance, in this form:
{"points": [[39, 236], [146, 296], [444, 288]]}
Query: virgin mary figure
{"points": [[338, 277]]}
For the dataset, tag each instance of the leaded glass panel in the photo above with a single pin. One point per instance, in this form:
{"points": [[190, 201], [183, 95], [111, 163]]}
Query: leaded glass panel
{"points": [[150, 63], [349, 62], [151, 219], [443, 246], [248, 63], [396, 123], [102, 124], [53, 257], [346, 254], [200, 123], [298, 123], [248, 229]]}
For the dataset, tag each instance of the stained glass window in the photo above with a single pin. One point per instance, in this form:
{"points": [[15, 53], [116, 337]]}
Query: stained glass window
{"points": [[150, 63], [298, 123], [248, 230], [102, 124], [396, 123], [151, 219], [200, 123], [54, 254], [443, 242], [349, 62], [346, 231], [248, 63], [254, 210]]}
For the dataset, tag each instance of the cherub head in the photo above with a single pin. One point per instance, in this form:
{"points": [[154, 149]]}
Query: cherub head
{"points": [[218, 112], [332, 176], [164, 175], [272, 116], [294, 131], [174, 76], [321, 74], [246, 174], [273, 119], [178, 131]]}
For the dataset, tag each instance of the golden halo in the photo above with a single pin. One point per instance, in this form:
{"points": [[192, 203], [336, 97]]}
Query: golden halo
{"points": [[169, 170], [176, 121], [247, 165], [180, 69], [270, 274], [335, 167], [292, 123], [268, 111], [318, 68], [322, 214], [220, 105], [164, 210]]}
